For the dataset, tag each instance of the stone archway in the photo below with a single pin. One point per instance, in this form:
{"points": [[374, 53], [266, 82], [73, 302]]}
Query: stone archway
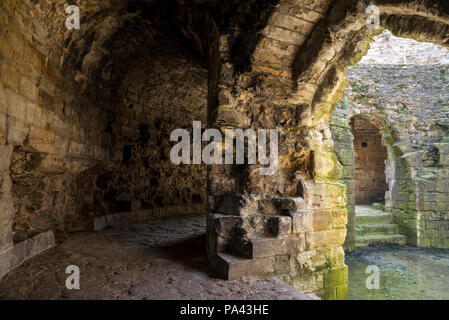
{"points": [[392, 96], [372, 172], [300, 64], [86, 117], [273, 64]]}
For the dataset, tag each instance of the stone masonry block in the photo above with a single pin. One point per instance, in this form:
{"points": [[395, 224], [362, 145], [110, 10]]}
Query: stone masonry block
{"points": [[268, 247], [325, 238]]}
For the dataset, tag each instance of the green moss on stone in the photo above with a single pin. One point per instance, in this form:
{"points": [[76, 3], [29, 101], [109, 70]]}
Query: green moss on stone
{"points": [[329, 294], [403, 109], [336, 276], [444, 74], [342, 292], [365, 44], [357, 86]]}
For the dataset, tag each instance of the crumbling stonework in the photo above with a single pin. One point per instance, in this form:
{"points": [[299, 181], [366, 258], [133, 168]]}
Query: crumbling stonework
{"points": [[408, 105], [80, 144], [158, 95], [80, 108]]}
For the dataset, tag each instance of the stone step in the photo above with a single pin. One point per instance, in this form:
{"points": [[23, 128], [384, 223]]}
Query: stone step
{"points": [[259, 247], [231, 267], [371, 240], [267, 247], [377, 217], [371, 229], [379, 206]]}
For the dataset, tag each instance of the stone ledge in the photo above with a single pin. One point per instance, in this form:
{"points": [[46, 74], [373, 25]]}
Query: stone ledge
{"points": [[31, 247], [16, 255], [231, 267], [5, 261]]}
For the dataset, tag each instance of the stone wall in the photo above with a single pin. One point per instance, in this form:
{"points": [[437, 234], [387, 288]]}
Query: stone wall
{"points": [[161, 92], [42, 133], [270, 64], [78, 144], [133, 170], [344, 149], [409, 106], [291, 223]]}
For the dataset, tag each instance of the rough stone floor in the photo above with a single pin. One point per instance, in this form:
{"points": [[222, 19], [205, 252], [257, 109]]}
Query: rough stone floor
{"points": [[406, 273], [159, 259]]}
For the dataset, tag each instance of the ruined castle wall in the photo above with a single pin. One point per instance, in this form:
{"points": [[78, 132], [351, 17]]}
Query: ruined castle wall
{"points": [[409, 105], [52, 137], [47, 135], [298, 214], [73, 146], [160, 93], [272, 64]]}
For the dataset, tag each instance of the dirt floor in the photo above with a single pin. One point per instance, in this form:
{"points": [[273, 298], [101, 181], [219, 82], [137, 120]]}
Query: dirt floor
{"points": [[159, 259]]}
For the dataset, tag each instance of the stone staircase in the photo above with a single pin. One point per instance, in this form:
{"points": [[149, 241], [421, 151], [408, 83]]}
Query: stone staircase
{"points": [[259, 256], [375, 227]]}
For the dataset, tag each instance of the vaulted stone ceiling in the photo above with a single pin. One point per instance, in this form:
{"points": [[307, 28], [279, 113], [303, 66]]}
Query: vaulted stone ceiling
{"points": [[75, 112]]}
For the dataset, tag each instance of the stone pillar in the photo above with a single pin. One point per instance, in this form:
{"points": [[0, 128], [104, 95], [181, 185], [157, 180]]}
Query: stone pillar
{"points": [[224, 182], [291, 223], [344, 149]]}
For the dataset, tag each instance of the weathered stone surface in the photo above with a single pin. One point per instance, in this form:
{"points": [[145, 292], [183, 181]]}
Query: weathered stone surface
{"points": [[118, 220], [301, 221], [89, 112], [268, 247], [279, 226], [226, 225], [5, 261], [31, 247], [325, 195], [232, 267], [407, 107], [20, 252], [325, 238]]}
